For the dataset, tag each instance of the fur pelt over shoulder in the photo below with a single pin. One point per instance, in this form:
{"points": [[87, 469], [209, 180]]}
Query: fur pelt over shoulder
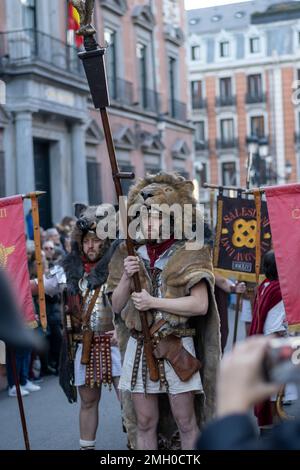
{"points": [[184, 269], [74, 269]]}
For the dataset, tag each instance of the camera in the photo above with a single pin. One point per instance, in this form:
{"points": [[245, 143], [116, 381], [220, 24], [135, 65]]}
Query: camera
{"points": [[282, 361]]}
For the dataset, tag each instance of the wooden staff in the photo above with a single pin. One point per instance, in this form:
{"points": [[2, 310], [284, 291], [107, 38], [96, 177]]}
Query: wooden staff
{"points": [[236, 317], [19, 396], [93, 62], [38, 254], [212, 204]]}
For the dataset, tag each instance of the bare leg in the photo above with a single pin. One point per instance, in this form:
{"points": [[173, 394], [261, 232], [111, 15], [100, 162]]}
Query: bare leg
{"points": [[182, 406], [88, 416], [146, 408]]}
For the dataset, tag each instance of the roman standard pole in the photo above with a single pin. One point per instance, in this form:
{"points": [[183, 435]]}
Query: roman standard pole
{"points": [[93, 62]]}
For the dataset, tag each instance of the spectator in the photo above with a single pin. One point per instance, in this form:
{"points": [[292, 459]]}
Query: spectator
{"points": [[49, 250], [240, 386], [269, 318]]}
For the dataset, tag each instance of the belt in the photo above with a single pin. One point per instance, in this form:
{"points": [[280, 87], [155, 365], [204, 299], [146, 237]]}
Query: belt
{"points": [[181, 332], [78, 336]]}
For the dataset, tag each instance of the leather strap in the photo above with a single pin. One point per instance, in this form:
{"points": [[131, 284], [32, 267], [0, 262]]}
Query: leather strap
{"points": [[87, 315], [154, 328]]}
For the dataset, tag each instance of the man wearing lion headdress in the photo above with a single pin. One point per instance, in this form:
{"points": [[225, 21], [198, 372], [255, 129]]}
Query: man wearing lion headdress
{"points": [[178, 294]]}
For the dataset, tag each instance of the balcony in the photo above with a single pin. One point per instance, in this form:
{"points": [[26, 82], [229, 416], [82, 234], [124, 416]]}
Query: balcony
{"points": [[257, 139], [225, 101], [227, 143], [256, 98], [32, 47], [198, 103], [177, 110], [149, 100], [201, 145], [120, 91]]}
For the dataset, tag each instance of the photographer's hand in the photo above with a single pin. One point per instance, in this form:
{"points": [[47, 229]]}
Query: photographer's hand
{"points": [[241, 383]]}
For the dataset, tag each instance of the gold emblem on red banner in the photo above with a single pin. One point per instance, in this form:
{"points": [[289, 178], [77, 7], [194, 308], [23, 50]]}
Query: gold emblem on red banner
{"points": [[296, 213], [5, 252]]}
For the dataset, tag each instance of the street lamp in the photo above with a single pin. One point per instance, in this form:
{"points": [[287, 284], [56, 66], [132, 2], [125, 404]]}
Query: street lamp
{"points": [[258, 149]]}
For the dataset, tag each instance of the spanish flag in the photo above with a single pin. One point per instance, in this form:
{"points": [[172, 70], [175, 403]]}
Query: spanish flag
{"points": [[74, 25]]}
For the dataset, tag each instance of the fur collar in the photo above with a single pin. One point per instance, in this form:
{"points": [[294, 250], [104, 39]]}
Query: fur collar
{"points": [[74, 269]]}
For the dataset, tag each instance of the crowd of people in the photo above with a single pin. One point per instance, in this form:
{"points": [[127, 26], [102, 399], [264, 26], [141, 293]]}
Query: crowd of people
{"points": [[33, 366]]}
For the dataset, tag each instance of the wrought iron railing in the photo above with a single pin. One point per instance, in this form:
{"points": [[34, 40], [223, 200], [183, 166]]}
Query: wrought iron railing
{"points": [[226, 100], [120, 90], [256, 98], [226, 143], [29, 46], [177, 110]]}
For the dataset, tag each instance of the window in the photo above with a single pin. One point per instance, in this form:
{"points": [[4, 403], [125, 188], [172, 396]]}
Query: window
{"points": [[224, 49], [254, 45], [229, 174], [2, 173], [172, 84], [111, 61], [94, 182], [255, 85], [141, 53], [225, 87], [227, 130], [258, 126], [200, 131], [197, 95], [126, 183], [195, 53], [29, 14]]}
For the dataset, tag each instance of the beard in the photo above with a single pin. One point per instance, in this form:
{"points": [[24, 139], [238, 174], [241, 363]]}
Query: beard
{"points": [[93, 256]]}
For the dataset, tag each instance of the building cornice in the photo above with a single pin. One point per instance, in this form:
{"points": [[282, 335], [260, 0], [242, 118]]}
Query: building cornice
{"points": [[116, 6]]}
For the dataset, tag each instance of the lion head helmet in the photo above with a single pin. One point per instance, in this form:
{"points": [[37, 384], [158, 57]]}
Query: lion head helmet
{"points": [[165, 190]]}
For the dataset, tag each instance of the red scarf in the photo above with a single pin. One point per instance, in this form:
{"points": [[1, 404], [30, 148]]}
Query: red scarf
{"points": [[88, 265], [266, 298], [155, 250]]}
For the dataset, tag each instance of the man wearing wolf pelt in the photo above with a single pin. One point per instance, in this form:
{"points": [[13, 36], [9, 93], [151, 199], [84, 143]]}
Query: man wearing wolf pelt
{"points": [[177, 293], [90, 356]]}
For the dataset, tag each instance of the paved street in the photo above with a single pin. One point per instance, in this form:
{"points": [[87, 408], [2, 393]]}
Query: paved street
{"points": [[53, 422]]}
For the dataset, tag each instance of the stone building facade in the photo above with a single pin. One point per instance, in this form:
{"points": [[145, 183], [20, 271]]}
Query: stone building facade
{"points": [[51, 138], [244, 62]]}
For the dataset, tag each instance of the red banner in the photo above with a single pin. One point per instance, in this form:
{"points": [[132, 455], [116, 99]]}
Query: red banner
{"points": [[284, 214], [13, 257]]}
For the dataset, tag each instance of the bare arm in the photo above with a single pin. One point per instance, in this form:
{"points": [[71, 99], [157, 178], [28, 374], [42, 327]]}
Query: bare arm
{"points": [[122, 292], [227, 286], [192, 305]]}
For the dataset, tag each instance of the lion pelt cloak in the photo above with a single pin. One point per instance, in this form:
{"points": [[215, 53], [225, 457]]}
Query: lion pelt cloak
{"points": [[184, 269]]}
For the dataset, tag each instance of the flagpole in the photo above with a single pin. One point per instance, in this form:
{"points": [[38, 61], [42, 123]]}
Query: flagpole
{"points": [[38, 254], [19, 397]]}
